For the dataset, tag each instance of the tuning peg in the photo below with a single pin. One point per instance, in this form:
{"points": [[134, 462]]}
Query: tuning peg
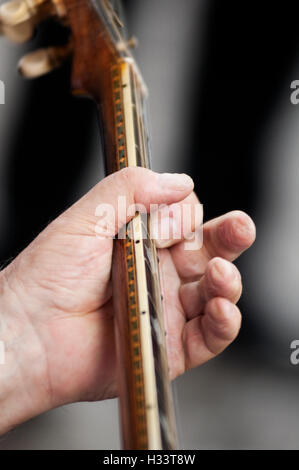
{"points": [[15, 12], [19, 11], [18, 33], [123, 46], [15, 22], [132, 43], [43, 61], [18, 18]]}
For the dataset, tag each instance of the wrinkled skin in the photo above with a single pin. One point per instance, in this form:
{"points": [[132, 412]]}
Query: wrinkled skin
{"points": [[57, 308]]}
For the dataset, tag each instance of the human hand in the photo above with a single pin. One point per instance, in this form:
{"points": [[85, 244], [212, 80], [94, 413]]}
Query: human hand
{"points": [[57, 309]]}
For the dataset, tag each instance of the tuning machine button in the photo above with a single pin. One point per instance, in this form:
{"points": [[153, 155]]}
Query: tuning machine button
{"points": [[43, 61], [15, 12], [18, 18], [18, 33], [123, 46]]}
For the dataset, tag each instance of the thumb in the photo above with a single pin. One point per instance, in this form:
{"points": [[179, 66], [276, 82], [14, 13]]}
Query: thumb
{"points": [[118, 196]]}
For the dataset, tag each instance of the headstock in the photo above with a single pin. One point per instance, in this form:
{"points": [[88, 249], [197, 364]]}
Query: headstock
{"points": [[97, 39]]}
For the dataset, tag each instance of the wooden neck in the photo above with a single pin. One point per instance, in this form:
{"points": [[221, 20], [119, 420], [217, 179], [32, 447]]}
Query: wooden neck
{"points": [[103, 69], [145, 394]]}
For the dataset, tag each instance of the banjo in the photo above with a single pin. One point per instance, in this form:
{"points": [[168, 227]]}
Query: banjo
{"points": [[104, 69]]}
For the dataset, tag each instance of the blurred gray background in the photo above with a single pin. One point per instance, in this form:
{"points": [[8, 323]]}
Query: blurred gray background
{"points": [[248, 397]]}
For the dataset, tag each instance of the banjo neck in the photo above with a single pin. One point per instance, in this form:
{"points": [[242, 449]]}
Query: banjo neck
{"points": [[146, 404], [104, 70], [145, 394]]}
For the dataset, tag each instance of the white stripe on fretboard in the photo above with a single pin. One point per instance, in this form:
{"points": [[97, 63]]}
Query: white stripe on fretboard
{"points": [[151, 399]]}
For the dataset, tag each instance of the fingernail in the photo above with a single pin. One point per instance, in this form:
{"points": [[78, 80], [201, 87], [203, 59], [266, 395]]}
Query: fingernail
{"points": [[178, 181], [244, 229], [223, 272]]}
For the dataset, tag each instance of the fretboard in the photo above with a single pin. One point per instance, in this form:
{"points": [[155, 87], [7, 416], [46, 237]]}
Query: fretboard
{"points": [[150, 393]]}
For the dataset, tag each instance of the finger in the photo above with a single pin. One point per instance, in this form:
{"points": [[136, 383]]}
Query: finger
{"points": [[176, 222], [80, 240], [221, 279], [208, 335], [227, 237], [114, 201]]}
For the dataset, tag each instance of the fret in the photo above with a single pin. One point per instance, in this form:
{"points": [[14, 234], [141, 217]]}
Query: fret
{"points": [[147, 337], [136, 341], [145, 378]]}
